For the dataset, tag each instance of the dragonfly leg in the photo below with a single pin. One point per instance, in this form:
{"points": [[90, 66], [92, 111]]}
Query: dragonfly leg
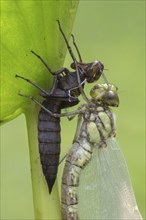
{"points": [[76, 134], [73, 38], [75, 61], [69, 117], [37, 86], [32, 83], [41, 59], [38, 103], [56, 115], [78, 129], [66, 41], [62, 159], [63, 69], [80, 110], [80, 86], [70, 50]]}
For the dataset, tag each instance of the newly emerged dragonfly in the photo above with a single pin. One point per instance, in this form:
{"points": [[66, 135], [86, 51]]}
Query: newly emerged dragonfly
{"points": [[64, 93], [95, 181]]}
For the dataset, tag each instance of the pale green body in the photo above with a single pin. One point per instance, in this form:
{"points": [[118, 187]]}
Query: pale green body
{"points": [[103, 189], [95, 127]]}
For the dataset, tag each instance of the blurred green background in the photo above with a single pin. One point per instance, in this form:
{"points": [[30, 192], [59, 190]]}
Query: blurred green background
{"points": [[114, 33]]}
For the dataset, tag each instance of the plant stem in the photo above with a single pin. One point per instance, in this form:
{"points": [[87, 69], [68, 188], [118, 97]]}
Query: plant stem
{"points": [[46, 206]]}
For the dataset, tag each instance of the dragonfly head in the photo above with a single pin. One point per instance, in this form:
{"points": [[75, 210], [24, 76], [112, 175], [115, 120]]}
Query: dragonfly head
{"points": [[91, 70], [94, 71], [106, 94]]}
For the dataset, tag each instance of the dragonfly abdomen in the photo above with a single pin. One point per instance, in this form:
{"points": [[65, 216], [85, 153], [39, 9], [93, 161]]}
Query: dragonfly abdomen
{"points": [[77, 158], [49, 141], [95, 130]]}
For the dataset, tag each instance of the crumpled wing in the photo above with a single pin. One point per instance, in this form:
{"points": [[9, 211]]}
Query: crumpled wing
{"points": [[105, 190]]}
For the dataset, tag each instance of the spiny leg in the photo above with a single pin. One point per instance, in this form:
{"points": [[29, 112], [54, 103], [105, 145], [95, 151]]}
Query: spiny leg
{"points": [[80, 86], [76, 134], [78, 129], [38, 103], [61, 70], [41, 59], [32, 83], [68, 46], [75, 61], [56, 115], [53, 73], [62, 159], [66, 41], [71, 117], [73, 38], [103, 75]]}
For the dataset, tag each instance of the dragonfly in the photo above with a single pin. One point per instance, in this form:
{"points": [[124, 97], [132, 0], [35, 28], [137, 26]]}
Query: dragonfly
{"points": [[95, 181], [66, 88]]}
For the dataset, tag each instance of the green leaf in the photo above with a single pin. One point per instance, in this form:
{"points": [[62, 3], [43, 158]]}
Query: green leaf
{"points": [[30, 25]]}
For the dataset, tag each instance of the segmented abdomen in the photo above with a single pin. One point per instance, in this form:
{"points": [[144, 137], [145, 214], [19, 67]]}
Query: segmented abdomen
{"points": [[94, 132], [49, 141]]}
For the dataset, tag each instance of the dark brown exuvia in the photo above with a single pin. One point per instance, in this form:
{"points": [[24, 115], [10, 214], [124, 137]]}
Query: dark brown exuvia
{"points": [[66, 88]]}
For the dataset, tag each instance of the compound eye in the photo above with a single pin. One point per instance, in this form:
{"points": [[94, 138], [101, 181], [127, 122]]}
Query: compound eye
{"points": [[102, 67], [111, 98], [97, 75]]}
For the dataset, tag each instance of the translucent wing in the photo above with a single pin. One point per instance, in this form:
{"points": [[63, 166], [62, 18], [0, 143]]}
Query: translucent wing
{"points": [[105, 190]]}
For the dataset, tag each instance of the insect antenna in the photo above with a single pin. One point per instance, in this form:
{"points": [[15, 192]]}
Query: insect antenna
{"points": [[73, 38]]}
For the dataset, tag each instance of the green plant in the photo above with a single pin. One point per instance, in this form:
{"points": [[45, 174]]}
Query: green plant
{"points": [[28, 25]]}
